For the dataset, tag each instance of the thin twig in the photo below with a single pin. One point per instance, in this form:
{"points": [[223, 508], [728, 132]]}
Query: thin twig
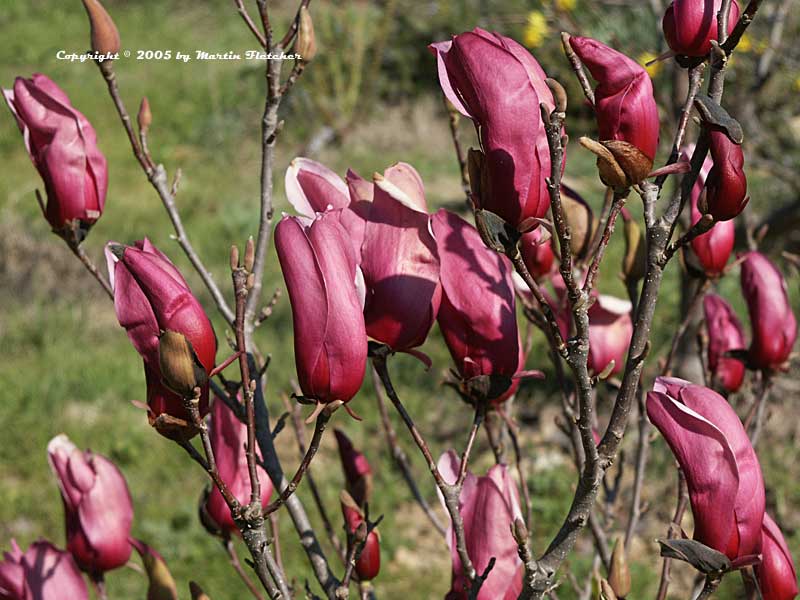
{"points": [[699, 294], [674, 528], [452, 119], [577, 66], [642, 451], [755, 418], [399, 455], [616, 206], [158, 178], [77, 250], [240, 7], [710, 586]]}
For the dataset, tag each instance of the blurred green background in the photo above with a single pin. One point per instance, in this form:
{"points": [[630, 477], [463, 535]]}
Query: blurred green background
{"points": [[368, 100]]}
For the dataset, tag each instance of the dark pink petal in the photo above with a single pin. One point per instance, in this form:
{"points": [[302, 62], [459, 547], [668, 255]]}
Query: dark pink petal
{"points": [[772, 321], [724, 333], [624, 104], [610, 331], [51, 574], [726, 185], [477, 315], [311, 187], [690, 25], [777, 578]]}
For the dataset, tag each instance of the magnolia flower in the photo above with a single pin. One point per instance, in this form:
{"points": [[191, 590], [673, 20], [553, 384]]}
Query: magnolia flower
{"points": [[690, 25], [477, 316], [63, 147], [624, 104], [97, 506], [368, 561], [610, 331], [388, 225], [330, 341], [43, 572], [724, 334], [488, 506], [495, 81], [228, 440], [772, 322], [154, 304], [726, 489]]}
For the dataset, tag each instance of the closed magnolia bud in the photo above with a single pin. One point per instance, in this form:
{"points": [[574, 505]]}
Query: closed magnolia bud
{"points": [[726, 185], [606, 591], [690, 25], [634, 263], [63, 147], [306, 45], [181, 370], [777, 576], [536, 249], [625, 107], [161, 584], [619, 576], [724, 334], [104, 34], [145, 117], [368, 561]]}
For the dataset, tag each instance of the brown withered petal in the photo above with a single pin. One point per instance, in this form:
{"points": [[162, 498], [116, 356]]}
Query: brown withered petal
{"points": [[104, 33], [580, 220], [633, 161], [619, 576], [181, 370], [606, 591], [608, 168], [306, 45]]}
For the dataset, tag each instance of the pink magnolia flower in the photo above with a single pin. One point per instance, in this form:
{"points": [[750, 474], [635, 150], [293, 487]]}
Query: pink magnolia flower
{"points": [[537, 253], [43, 572], [357, 472], [777, 578], [726, 489], [63, 147], [690, 25], [488, 506], [228, 440], [624, 104], [724, 334], [151, 297], [330, 340], [97, 506], [368, 562], [477, 316], [772, 322], [495, 82], [713, 248], [726, 185], [388, 225], [610, 331]]}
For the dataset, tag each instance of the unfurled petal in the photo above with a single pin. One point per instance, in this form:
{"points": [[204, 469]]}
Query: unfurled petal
{"points": [[311, 187]]}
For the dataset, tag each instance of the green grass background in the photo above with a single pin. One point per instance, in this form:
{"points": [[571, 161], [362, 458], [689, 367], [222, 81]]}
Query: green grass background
{"points": [[68, 367]]}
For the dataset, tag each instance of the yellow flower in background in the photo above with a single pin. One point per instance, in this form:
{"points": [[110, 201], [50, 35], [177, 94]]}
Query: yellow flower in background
{"points": [[797, 84], [745, 44], [565, 5], [535, 30], [646, 57]]}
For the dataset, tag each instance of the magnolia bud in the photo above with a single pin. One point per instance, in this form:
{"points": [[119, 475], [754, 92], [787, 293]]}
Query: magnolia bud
{"points": [[181, 370], [104, 34], [249, 255], [619, 576], [634, 263], [161, 584], [619, 163], [306, 45], [606, 591], [144, 118]]}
